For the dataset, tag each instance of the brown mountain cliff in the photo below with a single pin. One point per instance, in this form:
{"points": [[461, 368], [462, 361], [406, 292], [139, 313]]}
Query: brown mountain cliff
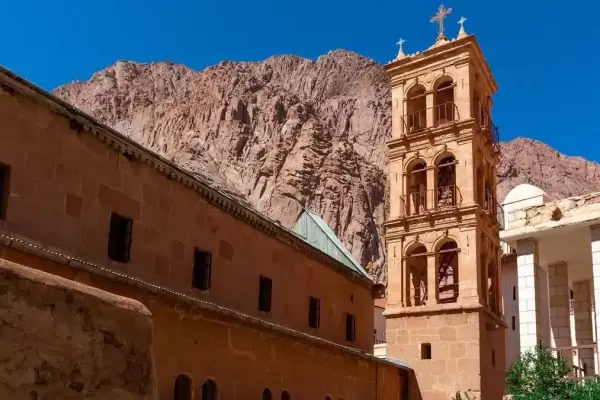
{"points": [[288, 133]]}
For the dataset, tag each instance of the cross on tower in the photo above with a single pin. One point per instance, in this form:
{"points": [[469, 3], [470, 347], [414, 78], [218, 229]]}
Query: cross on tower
{"points": [[442, 13]]}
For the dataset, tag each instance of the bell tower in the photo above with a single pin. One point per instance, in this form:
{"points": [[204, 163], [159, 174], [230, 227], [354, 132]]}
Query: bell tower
{"points": [[444, 312]]}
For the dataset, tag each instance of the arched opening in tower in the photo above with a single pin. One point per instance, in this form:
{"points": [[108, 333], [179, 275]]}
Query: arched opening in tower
{"points": [[416, 116], [417, 276], [444, 102], [446, 193], [447, 259], [417, 189]]}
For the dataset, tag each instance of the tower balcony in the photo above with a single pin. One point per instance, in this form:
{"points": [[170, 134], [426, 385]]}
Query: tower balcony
{"points": [[487, 127], [494, 210], [441, 114], [428, 201]]}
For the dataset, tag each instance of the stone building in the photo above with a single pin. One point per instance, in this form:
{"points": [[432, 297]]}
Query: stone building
{"points": [[444, 314], [242, 308], [551, 275]]}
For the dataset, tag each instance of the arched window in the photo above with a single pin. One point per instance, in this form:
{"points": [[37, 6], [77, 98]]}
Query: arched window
{"points": [[416, 267], [446, 194], [182, 390], [448, 272], [444, 102], [417, 189], [416, 116], [209, 390], [267, 395], [285, 395]]}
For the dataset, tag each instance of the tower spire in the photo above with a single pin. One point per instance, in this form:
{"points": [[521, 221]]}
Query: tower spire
{"points": [[401, 54]]}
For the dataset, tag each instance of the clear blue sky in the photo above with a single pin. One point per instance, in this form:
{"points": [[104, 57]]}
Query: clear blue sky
{"points": [[545, 55]]}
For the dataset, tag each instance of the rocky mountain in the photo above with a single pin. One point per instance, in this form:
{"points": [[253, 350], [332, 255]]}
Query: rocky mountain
{"points": [[288, 133]]}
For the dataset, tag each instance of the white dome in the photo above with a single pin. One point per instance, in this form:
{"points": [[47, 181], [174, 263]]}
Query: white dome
{"points": [[524, 191]]}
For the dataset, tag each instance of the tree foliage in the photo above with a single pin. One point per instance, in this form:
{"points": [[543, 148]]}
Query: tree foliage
{"points": [[538, 375]]}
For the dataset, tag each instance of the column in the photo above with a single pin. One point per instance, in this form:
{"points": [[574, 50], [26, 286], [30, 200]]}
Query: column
{"points": [[582, 308], [430, 195], [595, 233], [429, 110], [560, 321], [529, 295], [432, 279]]}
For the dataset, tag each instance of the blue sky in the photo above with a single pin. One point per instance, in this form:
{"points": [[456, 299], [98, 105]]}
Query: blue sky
{"points": [[545, 55]]}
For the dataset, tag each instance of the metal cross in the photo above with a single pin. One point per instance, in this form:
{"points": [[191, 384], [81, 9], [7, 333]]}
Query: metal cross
{"points": [[400, 43], [442, 13], [462, 21]]}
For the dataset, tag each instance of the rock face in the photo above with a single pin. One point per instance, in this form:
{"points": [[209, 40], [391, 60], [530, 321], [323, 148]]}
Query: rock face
{"points": [[287, 133], [64, 340]]}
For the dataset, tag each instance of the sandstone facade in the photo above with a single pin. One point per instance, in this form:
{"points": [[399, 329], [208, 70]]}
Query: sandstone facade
{"points": [[64, 340]]}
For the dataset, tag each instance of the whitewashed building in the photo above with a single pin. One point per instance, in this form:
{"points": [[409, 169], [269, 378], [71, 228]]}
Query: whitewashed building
{"points": [[551, 275]]}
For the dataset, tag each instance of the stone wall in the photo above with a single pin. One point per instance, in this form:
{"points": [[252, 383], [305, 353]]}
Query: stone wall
{"points": [[65, 182], [64, 340]]}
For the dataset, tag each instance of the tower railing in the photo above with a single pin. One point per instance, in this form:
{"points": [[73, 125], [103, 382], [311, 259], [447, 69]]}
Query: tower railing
{"points": [[438, 199], [440, 114], [493, 208], [487, 127], [581, 371]]}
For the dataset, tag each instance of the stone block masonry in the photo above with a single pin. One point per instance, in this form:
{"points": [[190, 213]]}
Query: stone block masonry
{"points": [[63, 340]]}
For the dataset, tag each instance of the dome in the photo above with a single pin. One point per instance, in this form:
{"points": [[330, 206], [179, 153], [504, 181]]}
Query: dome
{"points": [[524, 191]]}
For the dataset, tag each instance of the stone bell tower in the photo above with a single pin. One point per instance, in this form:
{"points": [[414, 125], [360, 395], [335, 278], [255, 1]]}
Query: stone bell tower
{"points": [[444, 313]]}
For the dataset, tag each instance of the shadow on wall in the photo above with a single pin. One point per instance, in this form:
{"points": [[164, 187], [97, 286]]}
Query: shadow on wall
{"points": [[65, 340]]}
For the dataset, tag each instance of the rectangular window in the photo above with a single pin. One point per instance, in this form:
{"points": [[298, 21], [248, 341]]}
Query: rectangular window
{"points": [[119, 238], [514, 293], [314, 312], [202, 269], [4, 189], [493, 358], [350, 328], [264, 294], [425, 351], [514, 323]]}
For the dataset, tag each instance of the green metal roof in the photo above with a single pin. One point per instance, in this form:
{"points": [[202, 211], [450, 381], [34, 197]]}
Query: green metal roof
{"points": [[314, 231]]}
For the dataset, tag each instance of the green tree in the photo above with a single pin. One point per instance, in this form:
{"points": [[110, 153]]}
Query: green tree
{"points": [[538, 375]]}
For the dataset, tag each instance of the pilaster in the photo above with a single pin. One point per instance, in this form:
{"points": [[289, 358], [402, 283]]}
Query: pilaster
{"points": [[529, 294], [595, 245], [560, 321], [582, 308]]}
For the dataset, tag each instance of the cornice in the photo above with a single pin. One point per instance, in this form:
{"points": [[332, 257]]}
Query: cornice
{"points": [[81, 122], [432, 55]]}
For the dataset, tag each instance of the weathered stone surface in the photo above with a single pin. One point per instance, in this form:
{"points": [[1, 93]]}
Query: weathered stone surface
{"points": [[63, 340], [288, 133]]}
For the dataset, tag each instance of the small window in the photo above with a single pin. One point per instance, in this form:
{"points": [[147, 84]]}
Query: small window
{"points": [[202, 269], [571, 294], [494, 358], [209, 390], [267, 395], [119, 238], [350, 328], [514, 323], [425, 351], [4, 189], [183, 388], [314, 312], [264, 294], [514, 293], [286, 395]]}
